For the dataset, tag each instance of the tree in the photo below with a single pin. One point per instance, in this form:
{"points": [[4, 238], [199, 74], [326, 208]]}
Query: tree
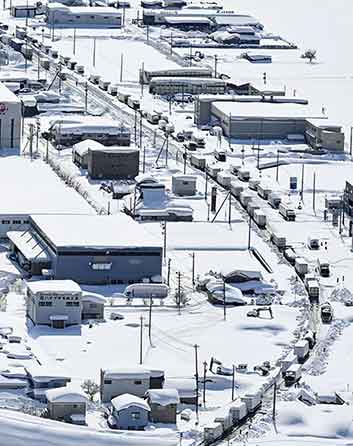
{"points": [[90, 388], [310, 55]]}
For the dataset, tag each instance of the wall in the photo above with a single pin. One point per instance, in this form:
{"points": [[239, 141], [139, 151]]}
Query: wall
{"points": [[121, 386], [62, 411], [103, 164], [125, 420], [65, 17], [141, 263], [92, 312], [163, 414], [10, 125]]}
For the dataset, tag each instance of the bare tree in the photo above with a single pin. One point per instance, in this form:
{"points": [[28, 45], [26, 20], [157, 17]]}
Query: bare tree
{"points": [[90, 388], [310, 55]]}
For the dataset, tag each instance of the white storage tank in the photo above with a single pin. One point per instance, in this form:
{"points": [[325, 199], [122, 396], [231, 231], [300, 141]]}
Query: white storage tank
{"points": [[147, 290]]}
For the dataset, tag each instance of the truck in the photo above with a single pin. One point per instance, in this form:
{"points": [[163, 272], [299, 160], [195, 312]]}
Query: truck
{"points": [[103, 84], [134, 103], [292, 374], [153, 117], [277, 237], [244, 174], [79, 69], [147, 290], [236, 188], [323, 267], [326, 313], [198, 161], [313, 290], [245, 197], [274, 199], [224, 178], [260, 218], [220, 155], [287, 211], [113, 89], [301, 350], [238, 411], [253, 183], [252, 400], [264, 190], [301, 266], [313, 243], [213, 170], [199, 139], [286, 362]]}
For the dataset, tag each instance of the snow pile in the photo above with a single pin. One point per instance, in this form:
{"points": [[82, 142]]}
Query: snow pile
{"points": [[342, 294], [221, 291], [32, 431]]}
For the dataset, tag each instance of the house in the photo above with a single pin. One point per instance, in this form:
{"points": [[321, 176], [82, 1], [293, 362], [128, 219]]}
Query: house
{"points": [[163, 404], [66, 405], [88, 249], [187, 85], [42, 378], [136, 381], [129, 412], [92, 306], [56, 303], [185, 387], [113, 162], [80, 152]]}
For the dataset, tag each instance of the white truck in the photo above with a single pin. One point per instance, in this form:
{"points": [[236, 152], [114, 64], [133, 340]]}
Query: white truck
{"points": [[252, 400], [238, 411], [264, 190], [103, 84], [313, 289], [301, 350], [236, 188], [253, 183], [245, 197], [275, 199], [301, 266], [286, 362], [287, 211], [198, 161], [313, 243], [244, 174], [260, 218], [292, 374], [224, 178], [323, 267], [147, 290]]}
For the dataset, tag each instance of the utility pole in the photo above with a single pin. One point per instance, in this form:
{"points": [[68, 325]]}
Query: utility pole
{"points": [[168, 272], [215, 66], [206, 182], [277, 165], [185, 156], [121, 66], [204, 382], [302, 187], [274, 401], [94, 51], [179, 292], [233, 382], [135, 127], [150, 320], [197, 381], [141, 336], [141, 77], [351, 141], [37, 134], [38, 68], [148, 34], [230, 209], [314, 191], [171, 43], [31, 140], [190, 57], [164, 240], [74, 43], [86, 98], [249, 234], [224, 300], [47, 152], [140, 139], [166, 149], [193, 269]]}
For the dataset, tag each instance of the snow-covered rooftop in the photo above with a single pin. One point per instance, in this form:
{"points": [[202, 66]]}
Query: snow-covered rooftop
{"points": [[7, 96], [266, 110], [33, 188], [65, 395], [54, 286], [113, 231], [123, 373], [125, 401], [163, 397]]}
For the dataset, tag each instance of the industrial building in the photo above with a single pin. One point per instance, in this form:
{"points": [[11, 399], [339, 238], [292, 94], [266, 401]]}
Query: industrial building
{"points": [[66, 405], [199, 72], [105, 131], [23, 10], [129, 412], [56, 303], [187, 85], [10, 119], [31, 192], [163, 404], [274, 118], [323, 135], [88, 249], [58, 14]]}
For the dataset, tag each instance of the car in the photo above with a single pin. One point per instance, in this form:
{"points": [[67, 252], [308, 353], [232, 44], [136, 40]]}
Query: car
{"points": [[290, 255], [116, 316], [189, 117], [252, 313], [106, 187]]}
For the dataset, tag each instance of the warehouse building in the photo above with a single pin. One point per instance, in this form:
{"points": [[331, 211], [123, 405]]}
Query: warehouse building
{"points": [[244, 93], [187, 85], [58, 14], [323, 135], [10, 119], [90, 249], [56, 303], [199, 72]]}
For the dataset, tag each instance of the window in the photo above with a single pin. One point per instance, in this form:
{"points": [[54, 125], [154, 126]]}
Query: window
{"points": [[16, 222], [101, 266], [93, 305], [138, 382], [135, 415], [5, 222], [45, 304], [72, 304], [107, 381]]}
